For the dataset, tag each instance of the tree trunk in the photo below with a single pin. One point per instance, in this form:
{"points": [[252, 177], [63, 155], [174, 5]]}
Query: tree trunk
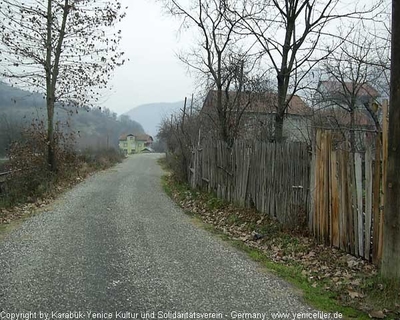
{"points": [[391, 228], [222, 115], [352, 132], [52, 76], [51, 158], [278, 127], [280, 112]]}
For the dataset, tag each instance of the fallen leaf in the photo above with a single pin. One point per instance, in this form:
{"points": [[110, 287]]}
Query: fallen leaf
{"points": [[354, 294], [310, 254], [355, 282]]}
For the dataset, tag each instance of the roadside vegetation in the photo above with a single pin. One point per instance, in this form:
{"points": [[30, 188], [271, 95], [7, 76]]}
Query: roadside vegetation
{"points": [[329, 279], [32, 184], [63, 71], [3, 164]]}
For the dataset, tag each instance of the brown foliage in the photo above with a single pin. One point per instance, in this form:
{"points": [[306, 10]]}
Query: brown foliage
{"points": [[180, 134], [31, 175]]}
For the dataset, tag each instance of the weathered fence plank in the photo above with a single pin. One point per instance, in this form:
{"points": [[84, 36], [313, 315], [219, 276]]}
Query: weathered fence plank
{"points": [[335, 202], [376, 200], [385, 132], [337, 193], [368, 203], [271, 177], [360, 211]]}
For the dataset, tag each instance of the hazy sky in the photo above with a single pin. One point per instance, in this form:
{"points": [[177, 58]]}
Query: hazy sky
{"points": [[150, 40], [153, 74]]}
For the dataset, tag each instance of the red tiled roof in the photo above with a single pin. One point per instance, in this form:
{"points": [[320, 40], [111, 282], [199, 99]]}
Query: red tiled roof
{"points": [[139, 137], [124, 136], [143, 137], [360, 89], [261, 102], [342, 117]]}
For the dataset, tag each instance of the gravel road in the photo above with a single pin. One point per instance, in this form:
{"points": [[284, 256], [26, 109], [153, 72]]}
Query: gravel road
{"points": [[117, 244]]}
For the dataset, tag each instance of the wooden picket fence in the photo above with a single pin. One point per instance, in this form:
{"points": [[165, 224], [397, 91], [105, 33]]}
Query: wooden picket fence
{"points": [[348, 195], [339, 194], [273, 178]]}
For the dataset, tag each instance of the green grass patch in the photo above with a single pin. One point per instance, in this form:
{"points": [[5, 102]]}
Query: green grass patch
{"points": [[318, 297], [166, 187], [382, 292], [233, 219], [214, 203], [163, 163]]}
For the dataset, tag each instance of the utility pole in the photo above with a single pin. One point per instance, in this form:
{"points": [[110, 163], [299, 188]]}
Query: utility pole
{"points": [[390, 268]]}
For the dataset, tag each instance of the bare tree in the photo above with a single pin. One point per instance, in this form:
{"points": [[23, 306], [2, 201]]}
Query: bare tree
{"points": [[64, 49], [218, 59], [290, 34], [180, 134], [352, 72], [382, 34]]}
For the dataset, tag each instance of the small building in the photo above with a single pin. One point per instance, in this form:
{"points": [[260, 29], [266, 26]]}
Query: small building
{"points": [[346, 108], [345, 95], [131, 143], [257, 113]]}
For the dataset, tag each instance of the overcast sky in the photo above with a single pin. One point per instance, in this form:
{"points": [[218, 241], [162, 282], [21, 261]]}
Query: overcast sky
{"points": [[150, 40], [153, 74]]}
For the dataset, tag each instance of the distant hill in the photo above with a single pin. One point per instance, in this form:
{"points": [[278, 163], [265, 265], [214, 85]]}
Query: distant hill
{"points": [[96, 128], [11, 97], [151, 115]]}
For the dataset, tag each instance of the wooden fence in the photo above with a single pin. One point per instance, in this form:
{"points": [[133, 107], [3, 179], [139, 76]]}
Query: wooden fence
{"points": [[273, 178], [348, 195], [339, 193], [347, 198]]}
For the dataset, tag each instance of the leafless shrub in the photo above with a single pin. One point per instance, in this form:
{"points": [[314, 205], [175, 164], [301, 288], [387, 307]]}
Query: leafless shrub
{"points": [[31, 177], [180, 134], [30, 173], [100, 159]]}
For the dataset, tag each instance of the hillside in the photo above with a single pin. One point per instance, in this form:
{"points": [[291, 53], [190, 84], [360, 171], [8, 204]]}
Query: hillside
{"points": [[97, 128], [11, 97], [151, 115]]}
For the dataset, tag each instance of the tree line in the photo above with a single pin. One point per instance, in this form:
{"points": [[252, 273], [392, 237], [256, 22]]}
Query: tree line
{"points": [[65, 50], [283, 47], [93, 127]]}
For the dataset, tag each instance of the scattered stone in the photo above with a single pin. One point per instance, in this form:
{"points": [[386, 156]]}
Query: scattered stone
{"points": [[377, 314]]}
